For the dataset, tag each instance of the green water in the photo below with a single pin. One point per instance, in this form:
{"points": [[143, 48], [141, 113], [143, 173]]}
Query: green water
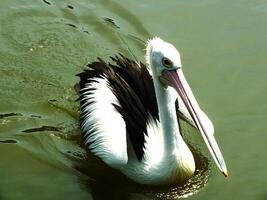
{"points": [[43, 44]]}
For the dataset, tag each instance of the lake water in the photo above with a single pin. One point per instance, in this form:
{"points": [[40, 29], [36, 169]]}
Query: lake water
{"points": [[44, 43]]}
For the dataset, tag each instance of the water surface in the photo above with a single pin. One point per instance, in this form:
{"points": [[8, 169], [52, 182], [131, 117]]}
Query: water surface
{"points": [[44, 43]]}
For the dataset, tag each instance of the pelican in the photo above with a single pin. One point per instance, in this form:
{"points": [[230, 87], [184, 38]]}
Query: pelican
{"points": [[128, 116]]}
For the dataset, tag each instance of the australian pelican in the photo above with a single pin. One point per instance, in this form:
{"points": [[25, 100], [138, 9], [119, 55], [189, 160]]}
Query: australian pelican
{"points": [[129, 116]]}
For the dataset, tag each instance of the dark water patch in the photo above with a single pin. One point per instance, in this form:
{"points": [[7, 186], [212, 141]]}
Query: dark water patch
{"points": [[111, 22], [41, 129], [53, 100], [2, 116], [47, 2], [72, 25], [6, 115], [86, 32], [62, 131], [36, 116], [8, 141], [70, 6]]}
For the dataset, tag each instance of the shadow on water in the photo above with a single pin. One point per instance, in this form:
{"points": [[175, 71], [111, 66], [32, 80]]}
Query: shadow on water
{"points": [[106, 183]]}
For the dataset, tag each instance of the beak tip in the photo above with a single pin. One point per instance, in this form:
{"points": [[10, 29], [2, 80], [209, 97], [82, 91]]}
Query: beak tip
{"points": [[225, 173]]}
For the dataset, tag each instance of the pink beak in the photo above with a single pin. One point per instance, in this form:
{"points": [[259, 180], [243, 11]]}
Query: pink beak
{"points": [[176, 79]]}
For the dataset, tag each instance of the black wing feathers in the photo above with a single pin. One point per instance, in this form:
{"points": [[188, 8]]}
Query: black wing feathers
{"points": [[132, 85]]}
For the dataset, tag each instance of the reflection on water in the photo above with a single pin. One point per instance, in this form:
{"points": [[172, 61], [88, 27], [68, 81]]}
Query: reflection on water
{"points": [[104, 182]]}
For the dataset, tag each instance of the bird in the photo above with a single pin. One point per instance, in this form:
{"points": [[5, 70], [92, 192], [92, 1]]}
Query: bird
{"points": [[129, 112]]}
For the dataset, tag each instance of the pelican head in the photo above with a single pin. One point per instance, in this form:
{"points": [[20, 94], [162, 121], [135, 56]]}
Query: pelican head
{"points": [[162, 56], [164, 61]]}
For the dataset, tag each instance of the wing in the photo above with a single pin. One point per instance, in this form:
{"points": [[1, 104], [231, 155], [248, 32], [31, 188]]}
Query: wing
{"points": [[138, 100], [116, 102], [102, 126]]}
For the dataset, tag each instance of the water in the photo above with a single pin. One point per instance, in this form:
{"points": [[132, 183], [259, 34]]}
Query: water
{"points": [[45, 43]]}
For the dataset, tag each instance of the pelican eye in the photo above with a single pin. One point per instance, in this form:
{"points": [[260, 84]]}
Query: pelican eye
{"points": [[166, 62]]}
